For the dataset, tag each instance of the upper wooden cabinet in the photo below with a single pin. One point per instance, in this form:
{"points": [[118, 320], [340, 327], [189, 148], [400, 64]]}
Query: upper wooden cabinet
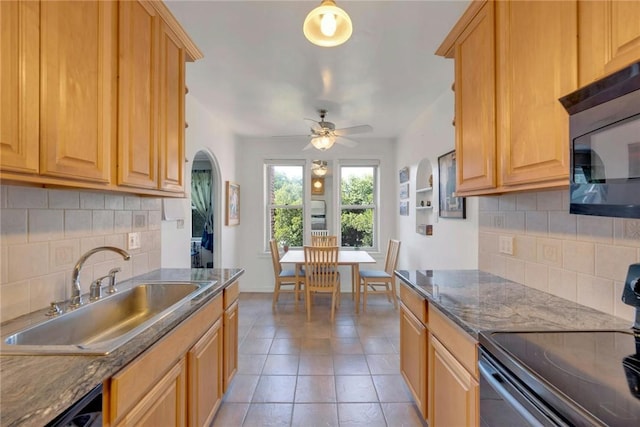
{"points": [[99, 89], [19, 83], [513, 61], [609, 37]]}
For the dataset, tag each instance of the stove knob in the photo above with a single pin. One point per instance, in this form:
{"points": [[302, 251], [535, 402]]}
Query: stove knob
{"points": [[635, 285]]}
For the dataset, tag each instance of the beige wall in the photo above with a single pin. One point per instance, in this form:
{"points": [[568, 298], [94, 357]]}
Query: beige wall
{"points": [[43, 233], [578, 257]]}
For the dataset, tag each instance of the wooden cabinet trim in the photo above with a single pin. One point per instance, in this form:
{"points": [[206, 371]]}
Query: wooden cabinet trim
{"points": [[413, 357], [447, 47], [231, 294], [459, 343], [230, 335], [414, 302], [193, 52]]}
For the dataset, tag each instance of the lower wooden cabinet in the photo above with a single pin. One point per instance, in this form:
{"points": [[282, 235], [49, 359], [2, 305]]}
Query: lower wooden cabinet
{"points": [[230, 344], [413, 356], [205, 376]]}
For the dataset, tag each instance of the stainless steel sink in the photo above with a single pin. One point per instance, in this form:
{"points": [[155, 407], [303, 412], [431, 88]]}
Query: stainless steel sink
{"points": [[102, 326]]}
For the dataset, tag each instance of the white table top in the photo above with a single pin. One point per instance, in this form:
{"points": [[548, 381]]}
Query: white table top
{"points": [[344, 257]]}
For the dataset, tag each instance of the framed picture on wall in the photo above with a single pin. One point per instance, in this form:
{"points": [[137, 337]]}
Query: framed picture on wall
{"points": [[404, 208], [232, 216], [404, 174], [404, 190], [450, 205]]}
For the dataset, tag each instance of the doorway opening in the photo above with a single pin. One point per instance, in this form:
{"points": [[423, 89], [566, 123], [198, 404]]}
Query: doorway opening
{"points": [[205, 211]]}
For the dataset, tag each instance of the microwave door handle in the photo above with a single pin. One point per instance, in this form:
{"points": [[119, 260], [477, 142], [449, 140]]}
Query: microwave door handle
{"points": [[497, 380]]}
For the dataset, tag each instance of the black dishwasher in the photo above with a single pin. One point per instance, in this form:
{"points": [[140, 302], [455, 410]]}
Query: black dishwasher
{"points": [[86, 412]]}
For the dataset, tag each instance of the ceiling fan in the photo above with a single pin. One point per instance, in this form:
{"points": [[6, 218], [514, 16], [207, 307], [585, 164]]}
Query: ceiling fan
{"points": [[324, 134]]}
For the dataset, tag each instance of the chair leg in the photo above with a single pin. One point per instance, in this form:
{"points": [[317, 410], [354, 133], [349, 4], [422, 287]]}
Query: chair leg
{"points": [[333, 306], [276, 290], [364, 297], [393, 290], [308, 302]]}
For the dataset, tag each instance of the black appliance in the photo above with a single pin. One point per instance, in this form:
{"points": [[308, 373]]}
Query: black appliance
{"points": [[563, 378], [605, 145], [86, 412]]}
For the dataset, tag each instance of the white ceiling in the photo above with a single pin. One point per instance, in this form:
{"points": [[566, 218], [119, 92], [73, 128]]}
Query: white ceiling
{"points": [[262, 77]]}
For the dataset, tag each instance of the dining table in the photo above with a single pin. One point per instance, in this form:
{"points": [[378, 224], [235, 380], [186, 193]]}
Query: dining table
{"points": [[352, 258]]}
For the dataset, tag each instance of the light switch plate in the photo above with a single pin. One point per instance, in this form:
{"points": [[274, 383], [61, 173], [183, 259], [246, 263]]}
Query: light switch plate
{"points": [[505, 245], [133, 241]]}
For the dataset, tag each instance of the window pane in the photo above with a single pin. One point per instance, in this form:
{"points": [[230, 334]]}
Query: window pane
{"points": [[357, 227], [286, 185], [287, 226], [197, 223], [356, 187]]}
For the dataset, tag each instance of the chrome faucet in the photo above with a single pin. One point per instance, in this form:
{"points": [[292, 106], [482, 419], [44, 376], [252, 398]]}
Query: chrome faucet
{"points": [[76, 292]]}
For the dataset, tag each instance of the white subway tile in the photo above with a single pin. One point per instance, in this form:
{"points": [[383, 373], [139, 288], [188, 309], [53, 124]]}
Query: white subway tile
{"points": [[155, 260], [525, 247], [122, 222], [45, 289], [514, 270], [114, 201], [88, 243], [132, 203], [140, 263], [14, 300], [117, 240], [140, 220], [537, 223], [102, 222], [566, 199], [28, 260], [4, 264], [77, 223], [536, 276], [549, 201], [26, 197], [13, 226], [563, 283], [498, 265], [3, 197], [64, 199], [155, 220], [515, 222], [91, 200], [488, 242], [46, 225], [562, 225], [526, 202], [626, 232], [484, 261], [549, 251], [485, 221], [64, 254], [507, 202], [150, 204], [595, 229], [488, 204], [595, 292], [578, 256], [612, 262]]}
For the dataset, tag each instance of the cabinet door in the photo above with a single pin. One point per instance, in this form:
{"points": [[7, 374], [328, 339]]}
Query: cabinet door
{"points": [[537, 64], [205, 376], [19, 86], [172, 124], [138, 95], [413, 357], [454, 393], [164, 405], [77, 89], [230, 344], [475, 94], [609, 37]]}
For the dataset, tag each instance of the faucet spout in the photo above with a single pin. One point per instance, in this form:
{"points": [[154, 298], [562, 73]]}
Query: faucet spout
{"points": [[76, 293]]}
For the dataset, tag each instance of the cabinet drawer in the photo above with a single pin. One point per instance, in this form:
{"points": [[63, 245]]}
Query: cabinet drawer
{"points": [[414, 302], [231, 293], [458, 342]]}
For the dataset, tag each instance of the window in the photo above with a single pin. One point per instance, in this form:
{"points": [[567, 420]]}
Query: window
{"points": [[285, 195], [358, 211]]}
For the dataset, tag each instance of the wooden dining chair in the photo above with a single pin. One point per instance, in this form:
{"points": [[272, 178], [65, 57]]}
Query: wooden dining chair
{"points": [[323, 240], [382, 281], [321, 275], [319, 232], [286, 278]]}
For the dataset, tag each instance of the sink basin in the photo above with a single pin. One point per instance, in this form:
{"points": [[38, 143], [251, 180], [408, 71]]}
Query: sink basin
{"points": [[100, 327]]}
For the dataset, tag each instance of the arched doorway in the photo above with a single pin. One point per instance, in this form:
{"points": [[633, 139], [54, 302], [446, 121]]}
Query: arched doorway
{"points": [[205, 211]]}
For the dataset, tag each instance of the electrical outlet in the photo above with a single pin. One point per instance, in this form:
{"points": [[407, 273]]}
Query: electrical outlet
{"points": [[505, 245], [133, 241]]}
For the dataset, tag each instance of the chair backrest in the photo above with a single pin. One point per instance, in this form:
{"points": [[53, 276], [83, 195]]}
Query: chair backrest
{"points": [[275, 257], [319, 232], [324, 241], [392, 256], [321, 267]]}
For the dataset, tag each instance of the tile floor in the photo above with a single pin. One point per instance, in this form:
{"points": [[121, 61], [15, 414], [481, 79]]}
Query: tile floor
{"points": [[297, 373]]}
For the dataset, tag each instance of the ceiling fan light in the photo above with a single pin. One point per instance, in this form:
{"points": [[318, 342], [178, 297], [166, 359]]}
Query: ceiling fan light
{"points": [[327, 25], [319, 168], [323, 142]]}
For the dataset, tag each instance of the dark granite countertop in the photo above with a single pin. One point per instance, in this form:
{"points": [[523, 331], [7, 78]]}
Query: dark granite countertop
{"points": [[35, 389], [479, 301]]}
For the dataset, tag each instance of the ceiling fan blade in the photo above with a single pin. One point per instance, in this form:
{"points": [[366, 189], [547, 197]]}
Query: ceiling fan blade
{"points": [[346, 141], [353, 129], [290, 136], [308, 146], [314, 125]]}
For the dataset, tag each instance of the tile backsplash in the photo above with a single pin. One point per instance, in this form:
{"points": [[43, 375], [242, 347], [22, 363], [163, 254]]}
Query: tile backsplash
{"points": [[578, 257], [43, 232]]}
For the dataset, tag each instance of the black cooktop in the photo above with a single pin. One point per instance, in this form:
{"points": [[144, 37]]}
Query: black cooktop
{"points": [[598, 371]]}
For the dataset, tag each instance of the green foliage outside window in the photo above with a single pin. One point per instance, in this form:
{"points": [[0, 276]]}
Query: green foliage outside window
{"points": [[357, 223], [287, 222]]}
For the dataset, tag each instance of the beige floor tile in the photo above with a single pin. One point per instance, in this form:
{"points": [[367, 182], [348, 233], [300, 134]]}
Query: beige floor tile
{"points": [[355, 388], [286, 346], [241, 388], [268, 414], [255, 346], [275, 389], [316, 346], [403, 414], [346, 346], [383, 364], [281, 364], [377, 345], [350, 364], [344, 331], [316, 364], [391, 388], [251, 363], [315, 414], [230, 415], [361, 414], [315, 389], [262, 331]]}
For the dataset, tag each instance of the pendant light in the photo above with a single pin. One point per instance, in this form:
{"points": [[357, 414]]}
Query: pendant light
{"points": [[319, 168], [323, 142], [327, 25]]}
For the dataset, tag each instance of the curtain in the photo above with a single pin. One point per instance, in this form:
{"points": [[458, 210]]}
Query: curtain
{"points": [[201, 199]]}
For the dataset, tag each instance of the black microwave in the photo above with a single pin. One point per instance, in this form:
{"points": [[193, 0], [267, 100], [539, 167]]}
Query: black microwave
{"points": [[604, 132]]}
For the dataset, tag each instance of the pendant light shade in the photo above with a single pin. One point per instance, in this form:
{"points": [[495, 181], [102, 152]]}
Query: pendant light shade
{"points": [[327, 25], [323, 142]]}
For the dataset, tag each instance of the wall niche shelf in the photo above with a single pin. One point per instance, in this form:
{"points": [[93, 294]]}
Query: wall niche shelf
{"points": [[424, 195]]}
